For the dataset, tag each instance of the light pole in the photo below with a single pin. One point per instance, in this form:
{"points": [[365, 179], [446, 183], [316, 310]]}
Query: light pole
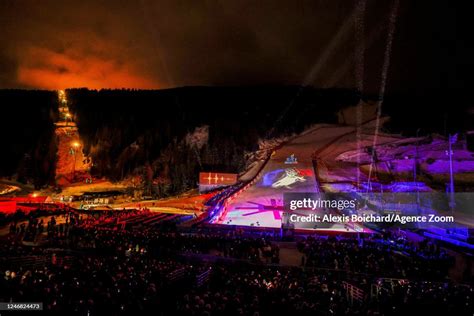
{"points": [[75, 146], [451, 139], [68, 118], [415, 166]]}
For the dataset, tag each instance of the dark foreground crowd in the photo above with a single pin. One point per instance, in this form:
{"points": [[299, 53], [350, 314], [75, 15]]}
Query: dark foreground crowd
{"points": [[84, 268]]}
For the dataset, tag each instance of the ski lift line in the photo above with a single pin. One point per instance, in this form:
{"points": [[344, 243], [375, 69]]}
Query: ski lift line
{"points": [[360, 44], [359, 72], [386, 64]]}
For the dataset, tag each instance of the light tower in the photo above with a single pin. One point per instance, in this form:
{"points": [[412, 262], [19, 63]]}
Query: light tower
{"points": [[75, 145]]}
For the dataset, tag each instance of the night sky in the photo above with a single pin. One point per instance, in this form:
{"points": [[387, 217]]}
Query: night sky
{"points": [[162, 44]]}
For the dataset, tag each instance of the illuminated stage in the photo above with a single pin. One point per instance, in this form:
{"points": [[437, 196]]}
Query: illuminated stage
{"points": [[335, 151], [290, 169]]}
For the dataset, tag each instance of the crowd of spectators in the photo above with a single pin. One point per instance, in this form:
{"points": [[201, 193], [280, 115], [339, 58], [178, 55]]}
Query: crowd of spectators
{"points": [[82, 267], [292, 291], [379, 255]]}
